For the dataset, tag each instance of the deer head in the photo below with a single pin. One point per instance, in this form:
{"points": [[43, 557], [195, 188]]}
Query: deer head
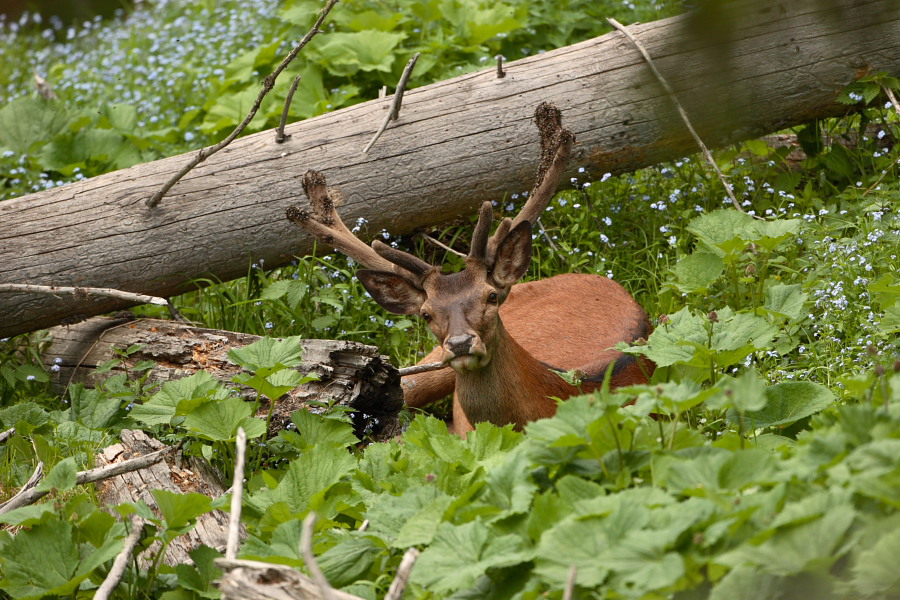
{"points": [[461, 308]]}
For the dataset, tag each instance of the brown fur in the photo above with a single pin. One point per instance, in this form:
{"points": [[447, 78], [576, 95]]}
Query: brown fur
{"points": [[569, 321]]}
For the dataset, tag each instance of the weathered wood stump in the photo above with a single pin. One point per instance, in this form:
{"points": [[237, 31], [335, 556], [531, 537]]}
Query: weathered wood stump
{"points": [[350, 374]]}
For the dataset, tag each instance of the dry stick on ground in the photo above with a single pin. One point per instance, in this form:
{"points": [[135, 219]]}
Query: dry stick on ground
{"points": [[268, 84], [398, 586], [280, 136], [7, 434], [237, 493], [309, 558], [31, 495], [86, 292], [121, 562], [681, 111], [394, 112], [569, 592]]}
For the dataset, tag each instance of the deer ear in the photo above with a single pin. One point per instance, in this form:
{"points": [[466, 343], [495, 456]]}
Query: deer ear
{"points": [[513, 255], [393, 292]]}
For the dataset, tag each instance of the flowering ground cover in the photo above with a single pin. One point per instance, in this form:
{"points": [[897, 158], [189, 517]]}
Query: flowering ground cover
{"points": [[770, 470]]}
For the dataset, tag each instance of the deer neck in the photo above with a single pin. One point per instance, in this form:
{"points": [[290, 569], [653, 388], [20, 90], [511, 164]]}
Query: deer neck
{"points": [[514, 387]]}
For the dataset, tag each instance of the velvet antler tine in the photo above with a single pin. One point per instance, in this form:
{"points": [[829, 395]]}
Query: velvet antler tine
{"points": [[323, 222], [478, 248], [418, 267], [556, 147]]}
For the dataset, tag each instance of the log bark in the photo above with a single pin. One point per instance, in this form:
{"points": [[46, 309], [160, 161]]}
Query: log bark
{"points": [[350, 374], [770, 64], [194, 476]]}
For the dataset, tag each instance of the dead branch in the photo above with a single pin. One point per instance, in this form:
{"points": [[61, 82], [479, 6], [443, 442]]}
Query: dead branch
{"points": [[7, 434], [309, 558], [30, 495], [398, 586], [268, 84], [280, 136], [237, 492], [121, 562], [394, 112]]}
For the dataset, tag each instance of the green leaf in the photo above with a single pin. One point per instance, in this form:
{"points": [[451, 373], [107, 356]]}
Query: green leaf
{"points": [[294, 290], [348, 561], [45, 560], [61, 477], [787, 402], [309, 475], [724, 232], [199, 576], [178, 397], [786, 300], [268, 353], [28, 123], [795, 549], [180, 510], [92, 407], [315, 430], [344, 54], [219, 421], [24, 414], [695, 272], [460, 554], [875, 568]]}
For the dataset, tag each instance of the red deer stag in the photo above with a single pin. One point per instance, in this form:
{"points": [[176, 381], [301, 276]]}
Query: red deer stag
{"points": [[501, 342]]}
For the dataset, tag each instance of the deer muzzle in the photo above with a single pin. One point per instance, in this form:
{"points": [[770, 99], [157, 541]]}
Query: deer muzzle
{"points": [[464, 352]]}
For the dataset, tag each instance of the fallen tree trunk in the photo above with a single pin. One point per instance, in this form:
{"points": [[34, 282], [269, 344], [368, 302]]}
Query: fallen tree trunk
{"points": [[456, 144], [349, 374]]}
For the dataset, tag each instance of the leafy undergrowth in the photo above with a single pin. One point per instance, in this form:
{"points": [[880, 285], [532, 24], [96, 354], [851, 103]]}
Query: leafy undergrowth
{"points": [[770, 465]]}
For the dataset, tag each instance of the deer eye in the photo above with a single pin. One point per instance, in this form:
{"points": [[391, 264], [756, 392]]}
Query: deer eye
{"points": [[426, 315], [493, 298]]}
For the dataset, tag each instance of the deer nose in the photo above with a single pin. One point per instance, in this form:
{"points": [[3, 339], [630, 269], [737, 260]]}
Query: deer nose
{"points": [[460, 344]]}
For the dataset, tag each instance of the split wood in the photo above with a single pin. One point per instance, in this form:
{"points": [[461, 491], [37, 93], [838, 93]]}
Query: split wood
{"points": [[684, 117], [268, 84], [394, 112]]}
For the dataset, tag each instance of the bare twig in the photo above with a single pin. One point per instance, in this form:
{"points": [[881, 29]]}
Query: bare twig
{"points": [[441, 244], [280, 136], [891, 97], [500, 72], [31, 495], [569, 592], [83, 292], [309, 558], [7, 434], [268, 84], [121, 562], [413, 370], [398, 586], [549, 240], [394, 112], [681, 111], [237, 492]]}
